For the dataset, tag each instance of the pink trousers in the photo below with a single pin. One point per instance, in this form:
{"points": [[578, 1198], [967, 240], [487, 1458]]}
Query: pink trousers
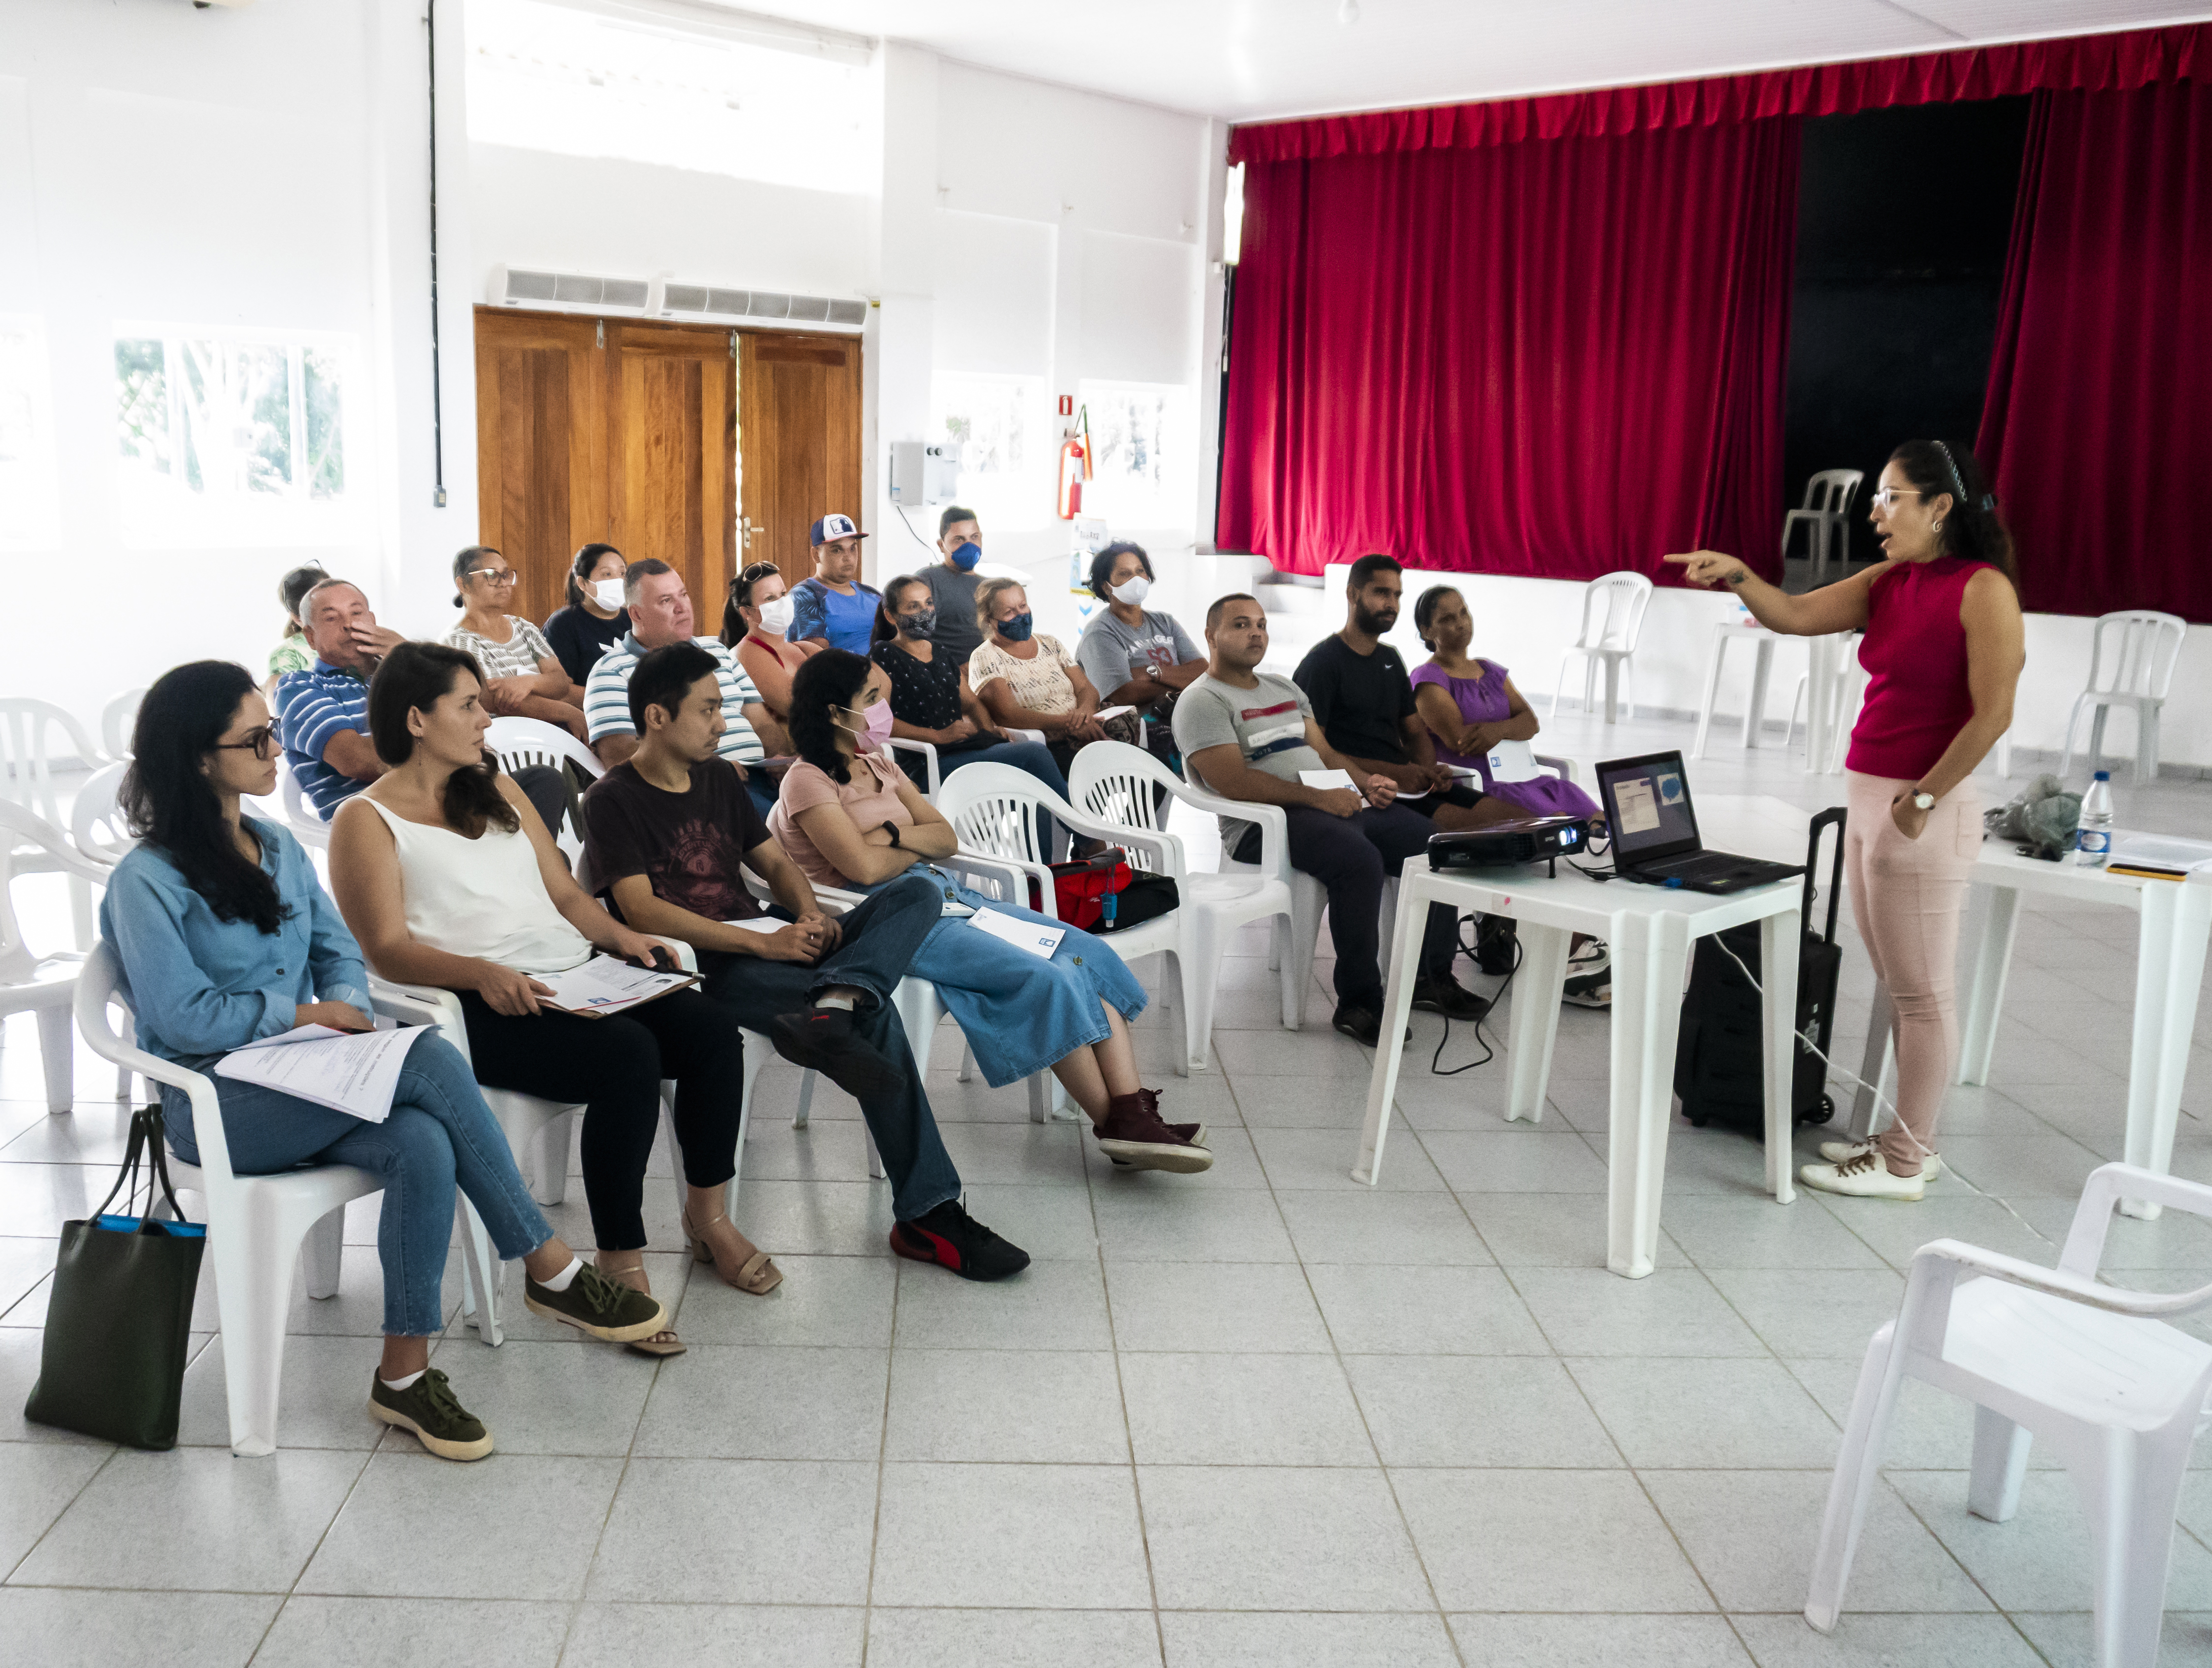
{"points": [[1906, 897]]}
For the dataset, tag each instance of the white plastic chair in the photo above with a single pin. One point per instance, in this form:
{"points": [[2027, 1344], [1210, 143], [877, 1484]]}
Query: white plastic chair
{"points": [[29, 730], [96, 819], [993, 808], [1115, 783], [1612, 619], [926, 751], [257, 1226], [2131, 662], [522, 741], [117, 720], [1824, 753], [2055, 1353], [41, 985], [1827, 511]]}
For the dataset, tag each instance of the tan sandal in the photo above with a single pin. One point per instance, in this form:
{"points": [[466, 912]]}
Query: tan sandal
{"points": [[755, 1275], [664, 1343]]}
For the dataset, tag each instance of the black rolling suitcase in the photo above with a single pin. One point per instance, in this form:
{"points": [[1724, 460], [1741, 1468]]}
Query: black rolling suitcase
{"points": [[1718, 1073]]}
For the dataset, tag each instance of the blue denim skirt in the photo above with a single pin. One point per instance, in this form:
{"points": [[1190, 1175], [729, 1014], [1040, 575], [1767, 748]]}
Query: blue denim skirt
{"points": [[1022, 1013]]}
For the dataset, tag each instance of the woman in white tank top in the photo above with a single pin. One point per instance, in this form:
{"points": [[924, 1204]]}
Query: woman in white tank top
{"points": [[447, 877]]}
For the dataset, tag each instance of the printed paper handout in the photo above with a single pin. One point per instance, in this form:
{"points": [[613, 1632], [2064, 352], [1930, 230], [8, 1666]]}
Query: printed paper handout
{"points": [[607, 985], [1514, 762], [352, 1073], [1023, 935]]}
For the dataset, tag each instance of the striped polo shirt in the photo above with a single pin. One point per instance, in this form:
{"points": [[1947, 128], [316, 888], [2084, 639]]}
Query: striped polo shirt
{"points": [[1267, 724], [313, 707], [606, 697]]}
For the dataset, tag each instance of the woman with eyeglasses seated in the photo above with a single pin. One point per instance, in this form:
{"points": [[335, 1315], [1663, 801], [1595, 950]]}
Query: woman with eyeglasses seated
{"points": [[447, 877], [523, 677], [850, 818], [931, 701], [222, 937], [594, 618], [754, 620], [1026, 681]]}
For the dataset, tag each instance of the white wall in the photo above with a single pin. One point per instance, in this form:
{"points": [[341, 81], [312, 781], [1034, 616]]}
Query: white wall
{"points": [[1528, 625], [220, 172]]}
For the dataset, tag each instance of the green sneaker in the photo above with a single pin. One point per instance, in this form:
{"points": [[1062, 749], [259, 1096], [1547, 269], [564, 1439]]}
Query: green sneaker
{"points": [[429, 1408], [598, 1306]]}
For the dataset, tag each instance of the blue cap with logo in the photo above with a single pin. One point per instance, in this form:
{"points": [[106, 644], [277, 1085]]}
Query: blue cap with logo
{"points": [[833, 527]]}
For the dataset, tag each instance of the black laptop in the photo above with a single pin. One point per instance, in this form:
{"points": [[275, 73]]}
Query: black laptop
{"points": [[1655, 831]]}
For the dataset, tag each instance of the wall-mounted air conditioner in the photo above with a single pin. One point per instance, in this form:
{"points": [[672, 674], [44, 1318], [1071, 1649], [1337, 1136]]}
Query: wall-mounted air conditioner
{"points": [[661, 298]]}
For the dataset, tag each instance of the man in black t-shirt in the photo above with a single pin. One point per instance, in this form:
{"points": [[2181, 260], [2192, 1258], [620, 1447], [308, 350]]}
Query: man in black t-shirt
{"points": [[1364, 702], [665, 832]]}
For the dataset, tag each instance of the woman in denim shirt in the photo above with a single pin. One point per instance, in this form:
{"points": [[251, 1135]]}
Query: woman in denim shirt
{"points": [[223, 936]]}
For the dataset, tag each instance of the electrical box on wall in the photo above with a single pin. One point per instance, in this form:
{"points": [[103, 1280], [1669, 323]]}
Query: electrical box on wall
{"points": [[924, 474]]}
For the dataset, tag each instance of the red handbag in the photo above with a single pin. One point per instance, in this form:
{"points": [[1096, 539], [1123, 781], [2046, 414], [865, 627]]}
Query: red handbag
{"points": [[1080, 889]]}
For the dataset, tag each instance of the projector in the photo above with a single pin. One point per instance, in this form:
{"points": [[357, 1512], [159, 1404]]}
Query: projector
{"points": [[1524, 839]]}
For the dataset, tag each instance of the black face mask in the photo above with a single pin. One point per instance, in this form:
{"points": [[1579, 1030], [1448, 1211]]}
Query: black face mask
{"points": [[1372, 624], [919, 623]]}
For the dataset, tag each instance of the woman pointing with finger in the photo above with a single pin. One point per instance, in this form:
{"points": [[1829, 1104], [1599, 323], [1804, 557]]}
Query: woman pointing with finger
{"points": [[1944, 646]]}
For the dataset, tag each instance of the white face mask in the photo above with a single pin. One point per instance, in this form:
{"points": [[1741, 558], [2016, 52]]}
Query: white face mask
{"points": [[776, 616], [1132, 592], [607, 593]]}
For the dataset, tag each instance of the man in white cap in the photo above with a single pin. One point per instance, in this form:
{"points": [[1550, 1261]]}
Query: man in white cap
{"points": [[834, 609]]}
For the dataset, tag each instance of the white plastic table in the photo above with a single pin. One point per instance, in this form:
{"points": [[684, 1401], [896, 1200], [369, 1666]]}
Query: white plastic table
{"points": [[1649, 929], [2175, 927], [1743, 630]]}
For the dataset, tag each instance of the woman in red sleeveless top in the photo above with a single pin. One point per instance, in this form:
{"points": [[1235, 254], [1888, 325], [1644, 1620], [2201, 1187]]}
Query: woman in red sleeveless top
{"points": [[1944, 645]]}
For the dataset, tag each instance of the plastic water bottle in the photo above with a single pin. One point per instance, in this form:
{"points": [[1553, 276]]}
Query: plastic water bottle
{"points": [[2093, 844]]}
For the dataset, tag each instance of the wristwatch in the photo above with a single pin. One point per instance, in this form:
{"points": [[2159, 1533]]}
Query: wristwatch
{"points": [[1923, 801], [892, 827]]}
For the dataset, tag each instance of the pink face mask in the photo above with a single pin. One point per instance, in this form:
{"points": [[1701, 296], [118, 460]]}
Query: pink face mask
{"points": [[875, 727]]}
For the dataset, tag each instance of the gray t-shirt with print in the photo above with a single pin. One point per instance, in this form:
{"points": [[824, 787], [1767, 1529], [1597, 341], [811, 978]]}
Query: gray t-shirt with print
{"points": [[1110, 653], [1268, 724]]}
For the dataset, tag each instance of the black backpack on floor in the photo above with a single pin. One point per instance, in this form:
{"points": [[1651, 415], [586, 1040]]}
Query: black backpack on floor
{"points": [[1719, 1060]]}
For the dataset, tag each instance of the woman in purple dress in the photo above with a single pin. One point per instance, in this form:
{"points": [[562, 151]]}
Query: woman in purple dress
{"points": [[1470, 705]]}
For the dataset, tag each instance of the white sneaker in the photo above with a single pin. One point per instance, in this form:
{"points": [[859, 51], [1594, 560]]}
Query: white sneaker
{"points": [[1842, 1152], [1865, 1177], [1589, 977]]}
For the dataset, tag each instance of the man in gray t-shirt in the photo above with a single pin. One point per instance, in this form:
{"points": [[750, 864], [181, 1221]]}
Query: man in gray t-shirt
{"points": [[952, 580], [1246, 734]]}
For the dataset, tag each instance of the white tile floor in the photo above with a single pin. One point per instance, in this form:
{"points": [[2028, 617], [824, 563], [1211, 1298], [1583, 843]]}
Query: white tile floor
{"points": [[1261, 1416]]}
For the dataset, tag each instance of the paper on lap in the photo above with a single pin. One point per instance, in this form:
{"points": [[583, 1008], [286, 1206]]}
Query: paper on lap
{"points": [[352, 1073], [1040, 941], [607, 985]]}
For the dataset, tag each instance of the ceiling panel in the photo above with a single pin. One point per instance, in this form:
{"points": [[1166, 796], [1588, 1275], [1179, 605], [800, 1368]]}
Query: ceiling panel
{"points": [[1251, 59]]}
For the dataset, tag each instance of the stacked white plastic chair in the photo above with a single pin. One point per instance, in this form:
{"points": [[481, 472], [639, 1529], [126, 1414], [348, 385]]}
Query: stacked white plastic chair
{"points": [[1612, 621], [33, 735], [1826, 512], [2055, 1355]]}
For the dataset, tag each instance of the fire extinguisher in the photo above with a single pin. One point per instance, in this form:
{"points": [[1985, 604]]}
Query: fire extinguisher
{"points": [[1074, 465]]}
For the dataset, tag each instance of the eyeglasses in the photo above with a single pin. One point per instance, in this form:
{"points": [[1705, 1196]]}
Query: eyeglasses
{"points": [[261, 743], [497, 575], [1887, 496]]}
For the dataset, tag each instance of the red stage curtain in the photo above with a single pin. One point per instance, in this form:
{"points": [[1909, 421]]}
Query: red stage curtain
{"points": [[2095, 62], [1558, 359], [2096, 419]]}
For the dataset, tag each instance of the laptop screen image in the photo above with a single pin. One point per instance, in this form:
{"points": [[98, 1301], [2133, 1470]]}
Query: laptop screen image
{"points": [[1647, 805]]}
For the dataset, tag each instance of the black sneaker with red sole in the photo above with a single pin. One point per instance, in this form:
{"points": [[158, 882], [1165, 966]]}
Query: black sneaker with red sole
{"points": [[825, 1040], [949, 1237]]}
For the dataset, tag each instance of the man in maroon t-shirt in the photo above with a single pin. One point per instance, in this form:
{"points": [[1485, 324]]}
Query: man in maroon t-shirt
{"points": [[665, 832]]}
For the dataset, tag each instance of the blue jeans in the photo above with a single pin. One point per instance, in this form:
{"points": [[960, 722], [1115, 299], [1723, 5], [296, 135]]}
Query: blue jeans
{"points": [[880, 939], [1022, 1013], [440, 1135]]}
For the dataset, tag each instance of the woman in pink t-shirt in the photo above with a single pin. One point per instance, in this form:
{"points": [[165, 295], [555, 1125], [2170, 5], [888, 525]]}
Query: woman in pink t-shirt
{"points": [[1945, 645], [850, 818]]}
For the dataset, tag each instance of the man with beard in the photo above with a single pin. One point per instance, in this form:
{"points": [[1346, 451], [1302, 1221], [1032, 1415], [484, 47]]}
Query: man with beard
{"points": [[1364, 702]]}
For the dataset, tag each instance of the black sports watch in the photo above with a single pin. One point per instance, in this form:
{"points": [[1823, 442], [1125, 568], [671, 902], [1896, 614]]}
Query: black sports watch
{"points": [[891, 829]]}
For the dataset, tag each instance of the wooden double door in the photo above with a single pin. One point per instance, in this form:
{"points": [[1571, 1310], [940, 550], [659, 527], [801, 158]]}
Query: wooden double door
{"points": [[705, 447]]}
